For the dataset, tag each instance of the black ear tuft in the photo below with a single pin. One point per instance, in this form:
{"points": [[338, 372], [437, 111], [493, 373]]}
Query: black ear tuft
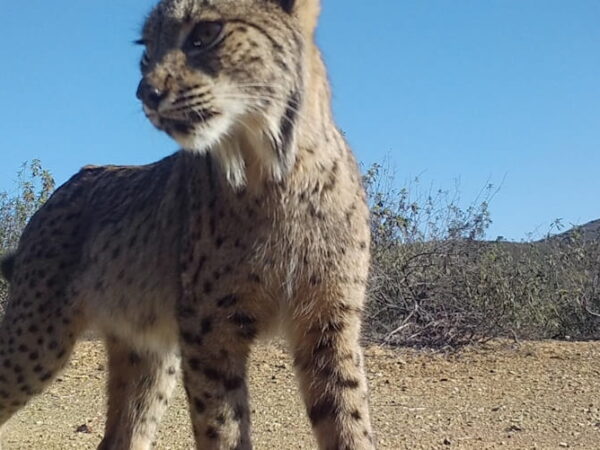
{"points": [[287, 5]]}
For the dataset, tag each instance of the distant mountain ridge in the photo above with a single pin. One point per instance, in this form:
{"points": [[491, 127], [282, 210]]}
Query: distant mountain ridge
{"points": [[588, 232]]}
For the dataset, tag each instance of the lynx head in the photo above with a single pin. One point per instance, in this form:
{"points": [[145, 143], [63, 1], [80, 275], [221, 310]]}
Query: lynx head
{"points": [[227, 77]]}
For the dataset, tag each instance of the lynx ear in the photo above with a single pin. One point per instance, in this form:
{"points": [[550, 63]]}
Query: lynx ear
{"points": [[306, 10]]}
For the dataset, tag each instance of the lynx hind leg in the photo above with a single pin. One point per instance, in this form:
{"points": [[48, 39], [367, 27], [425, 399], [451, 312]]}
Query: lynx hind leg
{"points": [[44, 315], [139, 387], [329, 366], [37, 335]]}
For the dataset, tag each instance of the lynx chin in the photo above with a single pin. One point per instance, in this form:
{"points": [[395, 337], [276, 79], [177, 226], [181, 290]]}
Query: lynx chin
{"points": [[258, 224]]}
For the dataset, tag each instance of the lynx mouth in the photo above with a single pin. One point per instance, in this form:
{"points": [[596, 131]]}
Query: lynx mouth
{"points": [[171, 126], [195, 120]]}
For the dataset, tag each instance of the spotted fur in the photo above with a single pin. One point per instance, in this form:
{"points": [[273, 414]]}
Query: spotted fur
{"points": [[259, 223], [6, 266]]}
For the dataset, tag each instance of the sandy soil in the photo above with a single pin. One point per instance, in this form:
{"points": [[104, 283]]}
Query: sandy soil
{"points": [[527, 396]]}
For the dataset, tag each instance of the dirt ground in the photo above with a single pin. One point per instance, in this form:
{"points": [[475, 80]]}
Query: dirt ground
{"points": [[528, 396]]}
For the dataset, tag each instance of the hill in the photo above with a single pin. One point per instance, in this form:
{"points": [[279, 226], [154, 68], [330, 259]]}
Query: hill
{"points": [[588, 232]]}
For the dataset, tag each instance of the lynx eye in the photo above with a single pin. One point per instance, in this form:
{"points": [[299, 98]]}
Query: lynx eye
{"points": [[145, 59], [204, 36]]}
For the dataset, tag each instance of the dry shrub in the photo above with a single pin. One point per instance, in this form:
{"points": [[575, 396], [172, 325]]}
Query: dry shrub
{"points": [[436, 283], [34, 184]]}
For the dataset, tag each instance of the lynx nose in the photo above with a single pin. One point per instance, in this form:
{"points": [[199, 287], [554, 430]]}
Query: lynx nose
{"points": [[149, 95]]}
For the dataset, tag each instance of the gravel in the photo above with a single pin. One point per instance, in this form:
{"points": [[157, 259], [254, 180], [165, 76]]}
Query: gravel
{"points": [[535, 395]]}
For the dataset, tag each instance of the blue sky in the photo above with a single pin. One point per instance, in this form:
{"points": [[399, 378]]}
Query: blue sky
{"points": [[501, 91]]}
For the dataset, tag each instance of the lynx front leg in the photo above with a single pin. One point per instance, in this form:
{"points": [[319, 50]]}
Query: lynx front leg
{"points": [[215, 350], [140, 385], [329, 365]]}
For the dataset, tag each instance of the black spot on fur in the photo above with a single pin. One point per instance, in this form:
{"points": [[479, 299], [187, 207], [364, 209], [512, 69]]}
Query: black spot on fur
{"points": [[238, 413], [287, 5], [46, 376], [323, 409], [227, 302], [7, 266], [207, 325], [254, 278], [246, 325], [212, 433], [191, 338], [231, 384], [194, 364], [242, 320], [200, 406], [212, 374], [287, 124], [186, 311], [134, 359]]}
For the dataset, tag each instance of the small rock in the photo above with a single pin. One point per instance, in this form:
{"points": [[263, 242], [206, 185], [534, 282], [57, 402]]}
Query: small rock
{"points": [[83, 429], [447, 441]]}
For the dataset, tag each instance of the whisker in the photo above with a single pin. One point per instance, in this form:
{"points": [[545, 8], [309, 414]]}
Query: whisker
{"points": [[280, 102], [257, 85], [270, 94], [184, 107], [186, 98], [284, 117], [202, 115]]}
